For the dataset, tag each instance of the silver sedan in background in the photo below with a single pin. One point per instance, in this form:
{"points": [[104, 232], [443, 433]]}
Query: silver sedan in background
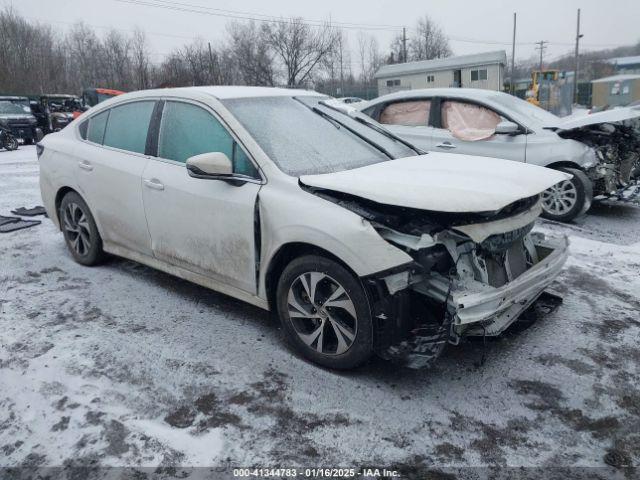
{"points": [[600, 151]]}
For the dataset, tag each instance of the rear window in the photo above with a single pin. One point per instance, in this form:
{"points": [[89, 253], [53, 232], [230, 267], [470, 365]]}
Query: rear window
{"points": [[128, 126], [96, 128]]}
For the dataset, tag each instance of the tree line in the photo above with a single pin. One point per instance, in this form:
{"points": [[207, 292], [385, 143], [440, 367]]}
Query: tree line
{"points": [[36, 58]]}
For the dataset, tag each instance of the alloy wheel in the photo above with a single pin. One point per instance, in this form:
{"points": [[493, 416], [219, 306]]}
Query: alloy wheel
{"points": [[76, 225], [322, 313], [560, 198]]}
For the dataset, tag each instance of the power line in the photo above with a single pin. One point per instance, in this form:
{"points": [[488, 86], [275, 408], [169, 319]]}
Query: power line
{"points": [[254, 17], [274, 17]]}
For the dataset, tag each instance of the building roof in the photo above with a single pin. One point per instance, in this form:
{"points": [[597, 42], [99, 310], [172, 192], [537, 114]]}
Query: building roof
{"points": [[617, 78], [625, 61], [447, 63]]}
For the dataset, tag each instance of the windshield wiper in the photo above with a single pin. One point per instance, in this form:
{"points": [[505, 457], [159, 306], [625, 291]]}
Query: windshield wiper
{"points": [[334, 121], [378, 129]]}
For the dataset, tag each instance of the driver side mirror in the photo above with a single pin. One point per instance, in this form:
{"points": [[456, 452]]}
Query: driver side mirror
{"points": [[507, 128], [210, 165]]}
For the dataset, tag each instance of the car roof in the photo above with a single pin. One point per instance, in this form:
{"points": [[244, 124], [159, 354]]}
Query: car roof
{"points": [[221, 92], [470, 93]]}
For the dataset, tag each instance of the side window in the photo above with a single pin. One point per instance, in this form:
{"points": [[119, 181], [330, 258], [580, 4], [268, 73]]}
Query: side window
{"points": [[97, 124], [413, 113], [187, 130], [128, 126], [467, 121]]}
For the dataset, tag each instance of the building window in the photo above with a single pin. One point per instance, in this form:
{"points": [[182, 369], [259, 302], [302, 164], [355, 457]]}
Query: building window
{"points": [[393, 83], [431, 78], [478, 75]]}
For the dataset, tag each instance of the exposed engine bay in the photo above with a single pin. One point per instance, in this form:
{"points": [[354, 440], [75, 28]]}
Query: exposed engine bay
{"points": [[617, 148], [473, 274]]}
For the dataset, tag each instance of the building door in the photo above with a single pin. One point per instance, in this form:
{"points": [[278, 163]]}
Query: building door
{"points": [[457, 79]]}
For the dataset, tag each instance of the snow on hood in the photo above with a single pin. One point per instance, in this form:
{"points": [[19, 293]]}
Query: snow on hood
{"points": [[443, 182], [608, 116]]}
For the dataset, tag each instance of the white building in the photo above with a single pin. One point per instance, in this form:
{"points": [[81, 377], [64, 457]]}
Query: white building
{"points": [[481, 70]]}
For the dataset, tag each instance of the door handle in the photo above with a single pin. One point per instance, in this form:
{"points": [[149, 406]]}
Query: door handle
{"points": [[447, 145], [83, 164], [154, 183]]}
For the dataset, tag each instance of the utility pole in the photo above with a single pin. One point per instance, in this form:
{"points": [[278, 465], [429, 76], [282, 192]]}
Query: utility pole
{"points": [[575, 73], [513, 56], [404, 44], [541, 46]]}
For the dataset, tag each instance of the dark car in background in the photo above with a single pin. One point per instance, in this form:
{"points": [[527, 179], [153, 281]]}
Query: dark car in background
{"points": [[55, 111], [16, 116]]}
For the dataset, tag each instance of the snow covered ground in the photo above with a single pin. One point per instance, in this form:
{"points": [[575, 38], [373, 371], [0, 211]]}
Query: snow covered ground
{"points": [[121, 365]]}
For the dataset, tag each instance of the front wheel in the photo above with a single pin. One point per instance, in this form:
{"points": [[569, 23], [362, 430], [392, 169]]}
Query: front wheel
{"points": [[325, 312], [566, 200]]}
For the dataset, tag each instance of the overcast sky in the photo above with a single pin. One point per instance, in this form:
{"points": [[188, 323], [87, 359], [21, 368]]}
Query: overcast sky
{"points": [[472, 25]]}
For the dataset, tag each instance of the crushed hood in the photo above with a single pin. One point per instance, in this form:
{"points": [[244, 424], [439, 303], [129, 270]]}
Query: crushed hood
{"points": [[442, 182], [608, 116]]}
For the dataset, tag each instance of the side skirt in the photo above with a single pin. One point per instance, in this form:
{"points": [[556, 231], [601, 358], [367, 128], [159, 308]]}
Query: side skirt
{"points": [[186, 275]]}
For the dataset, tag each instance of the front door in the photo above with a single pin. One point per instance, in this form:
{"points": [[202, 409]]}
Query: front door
{"points": [[468, 129], [205, 226], [109, 171]]}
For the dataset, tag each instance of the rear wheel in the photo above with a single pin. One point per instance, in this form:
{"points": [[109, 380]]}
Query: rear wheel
{"points": [[325, 312], [80, 230], [566, 200]]}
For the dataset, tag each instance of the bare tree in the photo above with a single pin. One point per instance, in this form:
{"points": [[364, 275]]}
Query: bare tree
{"points": [[250, 51], [370, 58], [299, 46], [140, 60], [428, 41]]}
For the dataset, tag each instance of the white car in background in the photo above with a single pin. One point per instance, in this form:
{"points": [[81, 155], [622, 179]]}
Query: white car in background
{"points": [[601, 151], [358, 241]]}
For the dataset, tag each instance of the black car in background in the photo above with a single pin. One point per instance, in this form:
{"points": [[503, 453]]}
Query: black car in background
{"points": [[16, 116], [54, 112]]}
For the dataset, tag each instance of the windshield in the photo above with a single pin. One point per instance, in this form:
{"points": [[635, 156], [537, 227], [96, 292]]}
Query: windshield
{"points": [[11, 107], [301, 141], [526, 110]]}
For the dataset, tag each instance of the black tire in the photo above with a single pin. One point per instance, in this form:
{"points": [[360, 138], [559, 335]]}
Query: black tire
{"points": [[360, 345], [10, 143], [80, 231], [582, 189]]}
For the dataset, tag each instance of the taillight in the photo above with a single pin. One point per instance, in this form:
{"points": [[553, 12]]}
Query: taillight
{"points": [[39, 149]]}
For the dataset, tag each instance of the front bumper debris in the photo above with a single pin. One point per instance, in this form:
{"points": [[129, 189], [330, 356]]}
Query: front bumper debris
{"points": [[496, 308], [454, 309]]}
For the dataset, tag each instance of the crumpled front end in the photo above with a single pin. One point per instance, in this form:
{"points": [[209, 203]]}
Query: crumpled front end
{"points": [[467, 280], [616, 148]]}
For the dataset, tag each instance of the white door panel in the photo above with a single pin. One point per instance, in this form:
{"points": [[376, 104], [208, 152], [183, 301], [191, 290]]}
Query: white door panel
{"points": [[109, 180], [205, 226], [509, 147]]}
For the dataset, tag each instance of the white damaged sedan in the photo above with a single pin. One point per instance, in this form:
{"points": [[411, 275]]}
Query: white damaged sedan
{"points": [[360, 242]]}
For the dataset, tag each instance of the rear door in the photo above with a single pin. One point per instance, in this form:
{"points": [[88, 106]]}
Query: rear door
{"points": [[409, 119], [109, 172], [203, 225], [468, 128]]}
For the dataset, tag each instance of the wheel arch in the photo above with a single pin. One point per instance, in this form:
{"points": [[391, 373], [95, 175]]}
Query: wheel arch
{"points": [[564, 164], [60, 194], [285, 254]]}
